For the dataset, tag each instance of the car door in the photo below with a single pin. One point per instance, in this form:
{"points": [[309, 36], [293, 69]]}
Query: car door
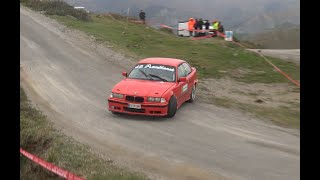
{"points": [[190, 79], [181, 87]]}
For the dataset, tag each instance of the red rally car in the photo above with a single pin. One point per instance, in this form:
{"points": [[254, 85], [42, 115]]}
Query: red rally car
{"points": [[154, 87]]}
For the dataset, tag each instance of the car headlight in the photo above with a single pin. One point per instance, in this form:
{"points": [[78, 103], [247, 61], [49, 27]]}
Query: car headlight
{"points": [[155, 99], [116, 95]]}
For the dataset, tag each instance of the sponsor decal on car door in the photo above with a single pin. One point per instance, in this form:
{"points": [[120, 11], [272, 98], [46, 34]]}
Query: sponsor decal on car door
{"points": [[184, 88]]}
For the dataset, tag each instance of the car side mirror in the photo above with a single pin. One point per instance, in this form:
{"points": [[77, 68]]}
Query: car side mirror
{"points": [[124, 74], [182, 79]]}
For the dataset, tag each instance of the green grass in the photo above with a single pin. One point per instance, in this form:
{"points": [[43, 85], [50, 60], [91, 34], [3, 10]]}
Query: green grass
{"points": [[38, 137], [209, 56], [282, 116]]}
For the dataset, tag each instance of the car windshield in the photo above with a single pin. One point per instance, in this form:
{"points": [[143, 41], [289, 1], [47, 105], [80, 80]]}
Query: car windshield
{"points": [[154, 72]]}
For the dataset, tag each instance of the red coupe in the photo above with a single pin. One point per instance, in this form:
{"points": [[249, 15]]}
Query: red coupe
{"points": [[154, 87]]}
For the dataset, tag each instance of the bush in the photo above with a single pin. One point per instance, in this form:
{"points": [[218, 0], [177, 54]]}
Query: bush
{"points": [[57, 7]]}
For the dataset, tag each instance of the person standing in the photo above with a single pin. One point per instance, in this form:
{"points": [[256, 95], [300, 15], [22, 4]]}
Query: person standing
{"points": [[215, 25], [191, 24], [196, 27], [221, 29], [200, 27], [142, 16], [207, 24]]}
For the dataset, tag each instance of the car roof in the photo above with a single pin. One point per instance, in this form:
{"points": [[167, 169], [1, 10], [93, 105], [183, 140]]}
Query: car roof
{"points": [[162, 61]]}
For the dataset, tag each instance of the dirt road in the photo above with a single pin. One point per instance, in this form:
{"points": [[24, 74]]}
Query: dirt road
{"points": [[69, 78]]}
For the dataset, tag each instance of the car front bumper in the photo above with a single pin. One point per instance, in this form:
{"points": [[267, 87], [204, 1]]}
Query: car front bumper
{"points": [[148, 109]]}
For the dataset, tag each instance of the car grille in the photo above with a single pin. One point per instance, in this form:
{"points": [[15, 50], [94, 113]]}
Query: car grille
{"points": [[134, 98]]}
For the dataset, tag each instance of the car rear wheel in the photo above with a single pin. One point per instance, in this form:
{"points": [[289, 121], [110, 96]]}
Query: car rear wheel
{"points": [[193, 94], [172, 107]]}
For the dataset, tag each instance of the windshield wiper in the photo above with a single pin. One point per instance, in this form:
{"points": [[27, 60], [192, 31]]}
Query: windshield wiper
{"points": [[152, 75], [146, 75]]}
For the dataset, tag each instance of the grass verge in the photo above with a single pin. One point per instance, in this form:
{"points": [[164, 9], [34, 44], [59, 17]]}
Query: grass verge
{"points": [[282, 116], [38, 137]]}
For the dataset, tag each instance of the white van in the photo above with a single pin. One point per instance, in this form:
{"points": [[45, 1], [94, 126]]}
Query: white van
{"points": [[183, 29]]}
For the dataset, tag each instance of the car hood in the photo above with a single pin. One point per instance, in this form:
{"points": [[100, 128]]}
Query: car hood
{"points": [[142, 87]]}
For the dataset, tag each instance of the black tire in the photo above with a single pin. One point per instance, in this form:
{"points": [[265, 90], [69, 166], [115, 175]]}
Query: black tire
{"points": [[172, 107], [193, 94]]}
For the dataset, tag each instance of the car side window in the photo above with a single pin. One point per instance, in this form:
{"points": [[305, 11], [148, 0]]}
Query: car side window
{"points": [[181, 71], [187, 67]]}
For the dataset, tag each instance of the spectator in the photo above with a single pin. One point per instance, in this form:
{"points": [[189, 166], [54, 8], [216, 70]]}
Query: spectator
{"points": [[215, 25], [221, 29], [196, 27], [200, 27], [207, 24], [142, 16], [191, 23], [200, 24]]}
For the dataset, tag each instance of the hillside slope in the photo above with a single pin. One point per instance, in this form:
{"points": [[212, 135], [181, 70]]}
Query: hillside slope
{"points": [[210, 56], [239, 16]]}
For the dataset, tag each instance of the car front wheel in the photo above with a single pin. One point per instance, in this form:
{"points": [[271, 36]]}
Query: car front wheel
{"points": [[172, 107]]}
